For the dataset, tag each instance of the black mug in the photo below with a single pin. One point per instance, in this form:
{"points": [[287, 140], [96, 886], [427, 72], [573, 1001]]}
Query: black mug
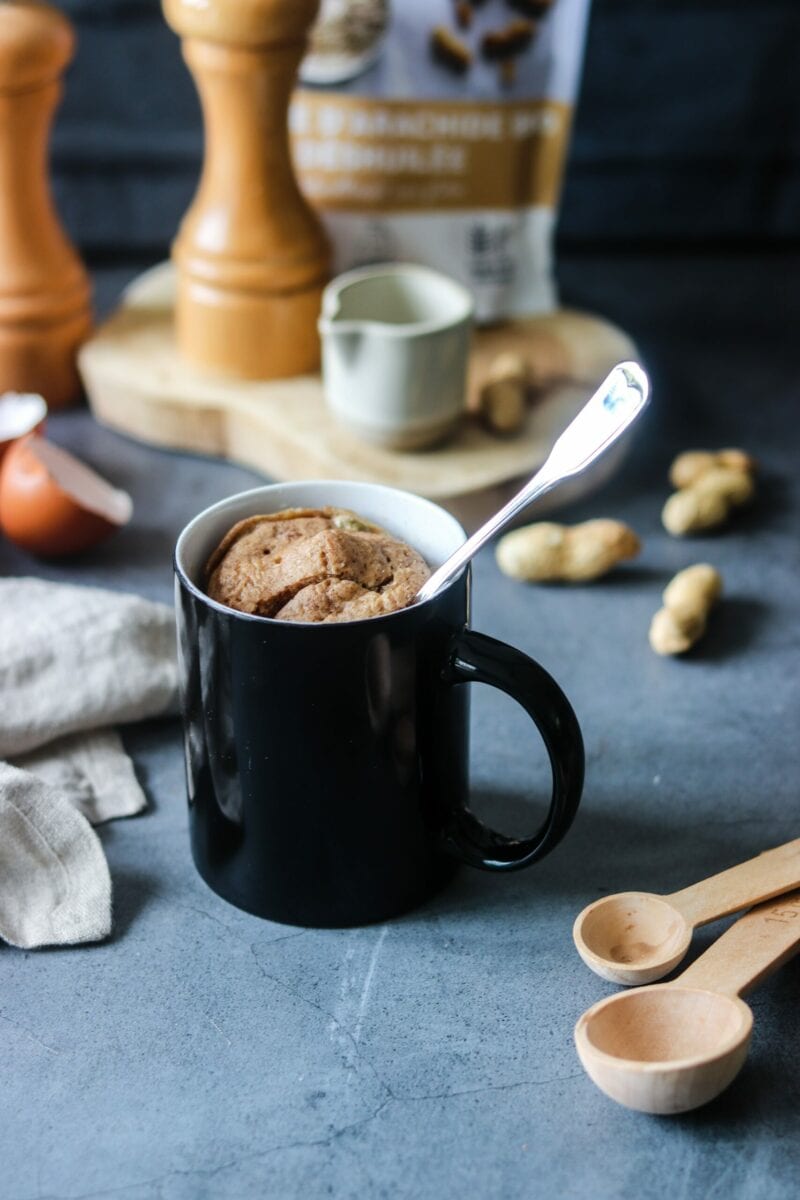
{"points": [[327, 764]]}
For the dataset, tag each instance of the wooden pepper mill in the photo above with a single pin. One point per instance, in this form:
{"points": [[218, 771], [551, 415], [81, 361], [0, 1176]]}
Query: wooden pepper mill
{"points": [[44, 290], [251, 255]]}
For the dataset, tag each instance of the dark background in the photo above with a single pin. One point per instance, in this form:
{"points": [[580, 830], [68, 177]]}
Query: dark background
{"points": [[687, 131]]}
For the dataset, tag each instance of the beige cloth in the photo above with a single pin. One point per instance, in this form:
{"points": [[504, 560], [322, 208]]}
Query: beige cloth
{"points": [[92, 771], [75, 658], [55, 888], [73, 661]]}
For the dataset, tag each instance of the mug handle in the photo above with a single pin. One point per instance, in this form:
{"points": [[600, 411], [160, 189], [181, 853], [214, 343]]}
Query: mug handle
{"points": [[476, 658]]}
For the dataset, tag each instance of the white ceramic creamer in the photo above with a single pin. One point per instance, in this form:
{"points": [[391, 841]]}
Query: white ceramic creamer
{"points": [[395, 342]]}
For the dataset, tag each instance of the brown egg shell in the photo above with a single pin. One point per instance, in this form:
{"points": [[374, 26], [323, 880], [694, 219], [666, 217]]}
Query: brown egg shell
{"points": [[52, 505]]}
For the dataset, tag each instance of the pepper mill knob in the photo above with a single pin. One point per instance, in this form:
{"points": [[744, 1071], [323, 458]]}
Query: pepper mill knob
{"points": [[44, 290], [251, 255]]}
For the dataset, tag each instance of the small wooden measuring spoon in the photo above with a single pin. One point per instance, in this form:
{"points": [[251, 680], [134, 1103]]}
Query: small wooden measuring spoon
{"points": [[673, 1046], [638, 937]]}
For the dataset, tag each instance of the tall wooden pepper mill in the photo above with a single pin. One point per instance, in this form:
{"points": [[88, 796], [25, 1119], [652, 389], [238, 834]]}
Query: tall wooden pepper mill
{"points": [[251, 255], [44, 290]]}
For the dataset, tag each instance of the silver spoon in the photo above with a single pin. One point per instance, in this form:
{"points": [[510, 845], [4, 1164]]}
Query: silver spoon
{"points": [[602, 420]]}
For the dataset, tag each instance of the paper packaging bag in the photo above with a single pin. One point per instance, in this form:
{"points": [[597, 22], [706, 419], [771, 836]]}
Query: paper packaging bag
{"points": [[410, 155]]}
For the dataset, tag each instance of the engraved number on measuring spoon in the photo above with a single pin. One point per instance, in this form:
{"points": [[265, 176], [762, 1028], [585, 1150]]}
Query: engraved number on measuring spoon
{"points": [[784, 914]]}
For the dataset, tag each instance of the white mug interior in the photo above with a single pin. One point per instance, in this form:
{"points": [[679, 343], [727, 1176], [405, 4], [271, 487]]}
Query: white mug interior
{"points": [[435, 533]]}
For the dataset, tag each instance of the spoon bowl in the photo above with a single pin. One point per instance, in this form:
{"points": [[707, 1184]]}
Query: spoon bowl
{"points": [[638, 937], [664, 1049], [670, 1047], [632, 937]]}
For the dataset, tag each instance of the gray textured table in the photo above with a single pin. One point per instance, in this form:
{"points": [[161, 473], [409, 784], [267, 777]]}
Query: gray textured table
{"points": [[205, 1053]]}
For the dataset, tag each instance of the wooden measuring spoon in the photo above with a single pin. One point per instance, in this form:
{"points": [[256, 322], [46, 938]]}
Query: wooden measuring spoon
{"points": [[637, 937], [673, 1046]]}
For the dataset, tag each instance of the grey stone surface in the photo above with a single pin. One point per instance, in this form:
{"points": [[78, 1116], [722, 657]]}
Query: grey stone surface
{"points": [[203, 1053]]}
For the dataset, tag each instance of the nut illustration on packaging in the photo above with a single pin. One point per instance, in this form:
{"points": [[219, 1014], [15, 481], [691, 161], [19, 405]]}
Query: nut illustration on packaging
{"points": [[449, 50], [509, 41], [499, 43], [463, 14]]}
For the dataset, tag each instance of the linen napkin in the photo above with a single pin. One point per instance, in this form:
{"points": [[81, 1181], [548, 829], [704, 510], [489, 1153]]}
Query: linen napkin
{"points": [[55, 888], [92, 771], [74, 662]]}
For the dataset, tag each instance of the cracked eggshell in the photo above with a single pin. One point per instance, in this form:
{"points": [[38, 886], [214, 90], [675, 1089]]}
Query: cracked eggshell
{"points": [[52, 505], [20, 413]]}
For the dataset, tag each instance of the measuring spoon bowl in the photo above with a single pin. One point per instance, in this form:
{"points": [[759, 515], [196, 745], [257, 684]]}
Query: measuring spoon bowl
{"points": [[665, 1048], [671, 1047], [638, 937], [631, 937]]}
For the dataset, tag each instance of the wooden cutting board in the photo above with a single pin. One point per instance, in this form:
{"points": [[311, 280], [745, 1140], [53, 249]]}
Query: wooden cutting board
{"points": [[138, 385]]}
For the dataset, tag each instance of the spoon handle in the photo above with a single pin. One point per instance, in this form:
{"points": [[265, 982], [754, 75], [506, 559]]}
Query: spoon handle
{"points": [[603, 419], [760, 942], [759, 878]]}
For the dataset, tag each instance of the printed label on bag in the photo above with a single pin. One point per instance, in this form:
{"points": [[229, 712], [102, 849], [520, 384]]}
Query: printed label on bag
{"points": [[437, 132], [401, 156]]}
